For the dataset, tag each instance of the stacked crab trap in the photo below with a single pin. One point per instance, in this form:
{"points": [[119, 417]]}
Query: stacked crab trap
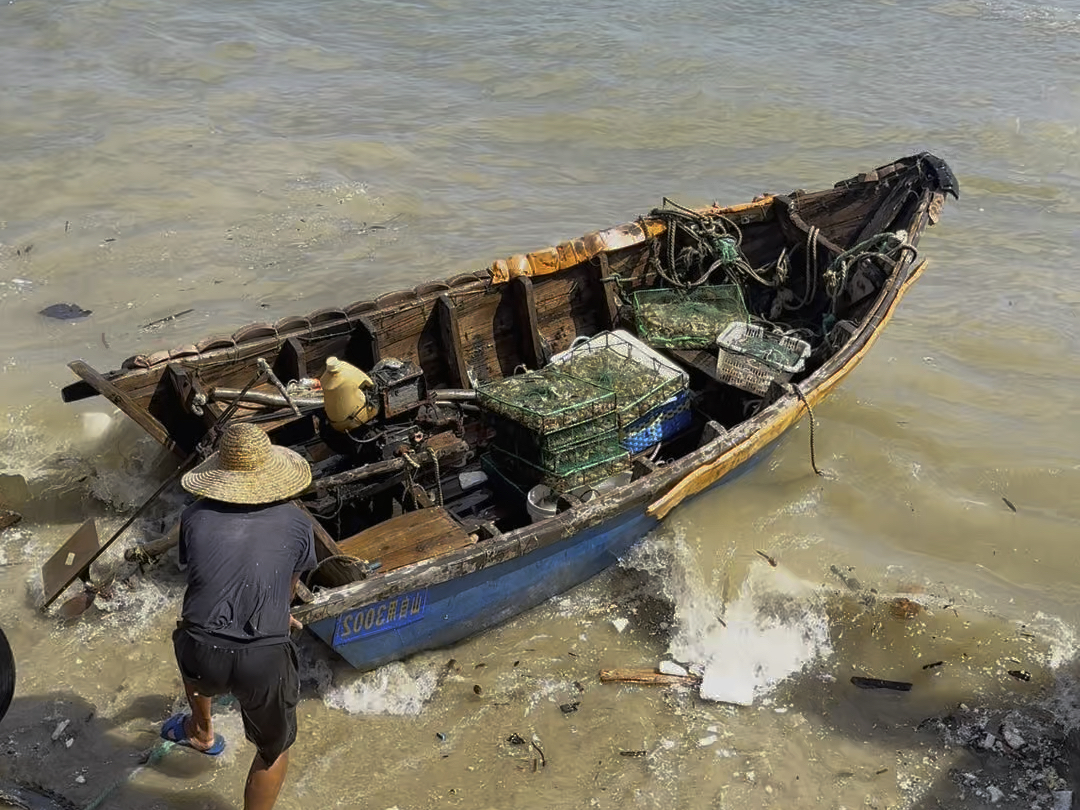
{"points": [[577, 421]]}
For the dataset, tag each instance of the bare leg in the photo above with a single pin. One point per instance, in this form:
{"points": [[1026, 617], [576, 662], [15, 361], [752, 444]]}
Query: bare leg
{"points": [[198, 727], [264, 782]]}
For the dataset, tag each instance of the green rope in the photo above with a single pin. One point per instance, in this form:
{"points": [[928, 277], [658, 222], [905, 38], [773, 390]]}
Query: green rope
{"points": [[712, 243], [809, 410], [883, 246]]}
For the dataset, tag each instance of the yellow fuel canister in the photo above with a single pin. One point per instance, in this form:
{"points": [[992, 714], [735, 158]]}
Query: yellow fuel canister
{"points": [[346, 405]]}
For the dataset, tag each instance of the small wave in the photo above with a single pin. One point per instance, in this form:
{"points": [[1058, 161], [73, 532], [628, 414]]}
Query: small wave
{"points": [[775, 625]]}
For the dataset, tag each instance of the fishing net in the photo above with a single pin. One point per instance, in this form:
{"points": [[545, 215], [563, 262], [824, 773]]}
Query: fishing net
{"points": [[687, 318]]}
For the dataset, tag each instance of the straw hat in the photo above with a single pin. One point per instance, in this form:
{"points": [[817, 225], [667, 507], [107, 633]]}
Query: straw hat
{"points": [[247, 468]]}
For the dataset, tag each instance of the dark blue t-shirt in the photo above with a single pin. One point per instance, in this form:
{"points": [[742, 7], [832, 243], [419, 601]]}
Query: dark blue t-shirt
{"points": [[240, 563]]}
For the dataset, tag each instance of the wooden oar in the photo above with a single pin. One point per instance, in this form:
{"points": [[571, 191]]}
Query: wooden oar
{"points": [[73, 560]]}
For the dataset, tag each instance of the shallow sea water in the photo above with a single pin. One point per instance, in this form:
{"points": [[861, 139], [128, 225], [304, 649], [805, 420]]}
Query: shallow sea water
{"points": [[253, 161]]}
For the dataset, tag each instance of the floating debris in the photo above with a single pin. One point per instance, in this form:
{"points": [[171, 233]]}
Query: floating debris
{"points": [[770, 560], [77, 605], [569, 708], [8, 517], [633, 753], [851, 583], [477, 689], [65, 312], [540, 751], [60, 728], [146, 327], [1012, 737], [646, 677], [1008, 503], [671, 668], [903, 608], [1020, 674], [935, 664], [880, 683], [516, 739]]}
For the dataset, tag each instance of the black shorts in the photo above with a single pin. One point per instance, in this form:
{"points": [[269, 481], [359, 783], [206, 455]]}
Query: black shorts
{"points": [[264, 680]]}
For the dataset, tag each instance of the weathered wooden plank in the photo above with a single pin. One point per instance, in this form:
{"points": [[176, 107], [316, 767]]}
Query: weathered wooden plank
{"points": [[407, 539], [450, 330], [126, 404], [291, 362], [532, 348], [192, 396], [607, 292], [647, 677], [366, 344]]}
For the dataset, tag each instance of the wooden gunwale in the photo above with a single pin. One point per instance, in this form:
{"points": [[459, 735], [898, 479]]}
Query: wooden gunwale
{"points": [[680, 480], [143, 373]]}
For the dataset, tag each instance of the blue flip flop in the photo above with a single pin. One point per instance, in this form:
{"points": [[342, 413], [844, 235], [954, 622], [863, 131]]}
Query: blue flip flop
{"points": [[173, 731]]}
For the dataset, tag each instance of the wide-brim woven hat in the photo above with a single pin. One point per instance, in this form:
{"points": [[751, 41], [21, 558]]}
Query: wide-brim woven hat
{"points": [[248, 469]]}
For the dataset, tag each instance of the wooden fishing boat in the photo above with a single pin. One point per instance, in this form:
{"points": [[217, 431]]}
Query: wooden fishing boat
{"points": [[429, 528]]}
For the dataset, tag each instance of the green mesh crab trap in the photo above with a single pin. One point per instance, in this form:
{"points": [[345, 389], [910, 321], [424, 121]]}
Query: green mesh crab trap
{"points": [[640, 378], [687, 319], [546, 401], [583, 464]]}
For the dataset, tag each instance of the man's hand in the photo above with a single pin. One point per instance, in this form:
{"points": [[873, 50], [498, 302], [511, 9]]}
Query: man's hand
{"points": [[294, 623]]}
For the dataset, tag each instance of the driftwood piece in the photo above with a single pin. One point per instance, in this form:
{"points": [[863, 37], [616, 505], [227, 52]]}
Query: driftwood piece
{"points": [[647, 677], [880, 683]]}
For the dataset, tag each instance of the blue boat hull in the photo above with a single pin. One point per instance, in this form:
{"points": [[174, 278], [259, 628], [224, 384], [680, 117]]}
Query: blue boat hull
{"points": [[375, 634]]}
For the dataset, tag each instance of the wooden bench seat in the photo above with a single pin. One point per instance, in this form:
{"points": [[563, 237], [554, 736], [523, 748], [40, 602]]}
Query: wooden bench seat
{"points": [[407, 538]]}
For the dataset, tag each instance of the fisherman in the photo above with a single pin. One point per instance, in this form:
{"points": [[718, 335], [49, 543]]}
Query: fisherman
{"points": [[245, 547]]}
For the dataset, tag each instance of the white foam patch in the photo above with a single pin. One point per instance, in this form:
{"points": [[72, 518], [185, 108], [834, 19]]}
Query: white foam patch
{"points": [[1059, 635], [774, 628], [13, 543], [775, 625], [395, 689], [135, 602]]}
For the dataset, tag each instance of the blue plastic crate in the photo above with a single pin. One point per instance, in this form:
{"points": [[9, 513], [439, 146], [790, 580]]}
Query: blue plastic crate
{"points": [[666, 420]]}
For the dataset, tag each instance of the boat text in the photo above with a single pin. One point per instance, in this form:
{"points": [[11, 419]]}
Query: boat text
{"points": [[379, 617]]}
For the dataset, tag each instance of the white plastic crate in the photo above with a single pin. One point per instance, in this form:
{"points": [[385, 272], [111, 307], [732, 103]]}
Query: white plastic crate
{"points": [[752, 359]]}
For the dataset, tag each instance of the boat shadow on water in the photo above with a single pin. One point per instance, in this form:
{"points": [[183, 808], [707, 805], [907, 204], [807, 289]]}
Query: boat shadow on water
{"points": [[952, 705]]}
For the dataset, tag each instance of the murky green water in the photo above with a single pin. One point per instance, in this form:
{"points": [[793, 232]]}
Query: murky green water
{"points": [[249, 161]]}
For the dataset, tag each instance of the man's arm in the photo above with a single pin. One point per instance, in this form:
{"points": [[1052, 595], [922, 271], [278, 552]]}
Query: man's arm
{"points": [[293, 621]]}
